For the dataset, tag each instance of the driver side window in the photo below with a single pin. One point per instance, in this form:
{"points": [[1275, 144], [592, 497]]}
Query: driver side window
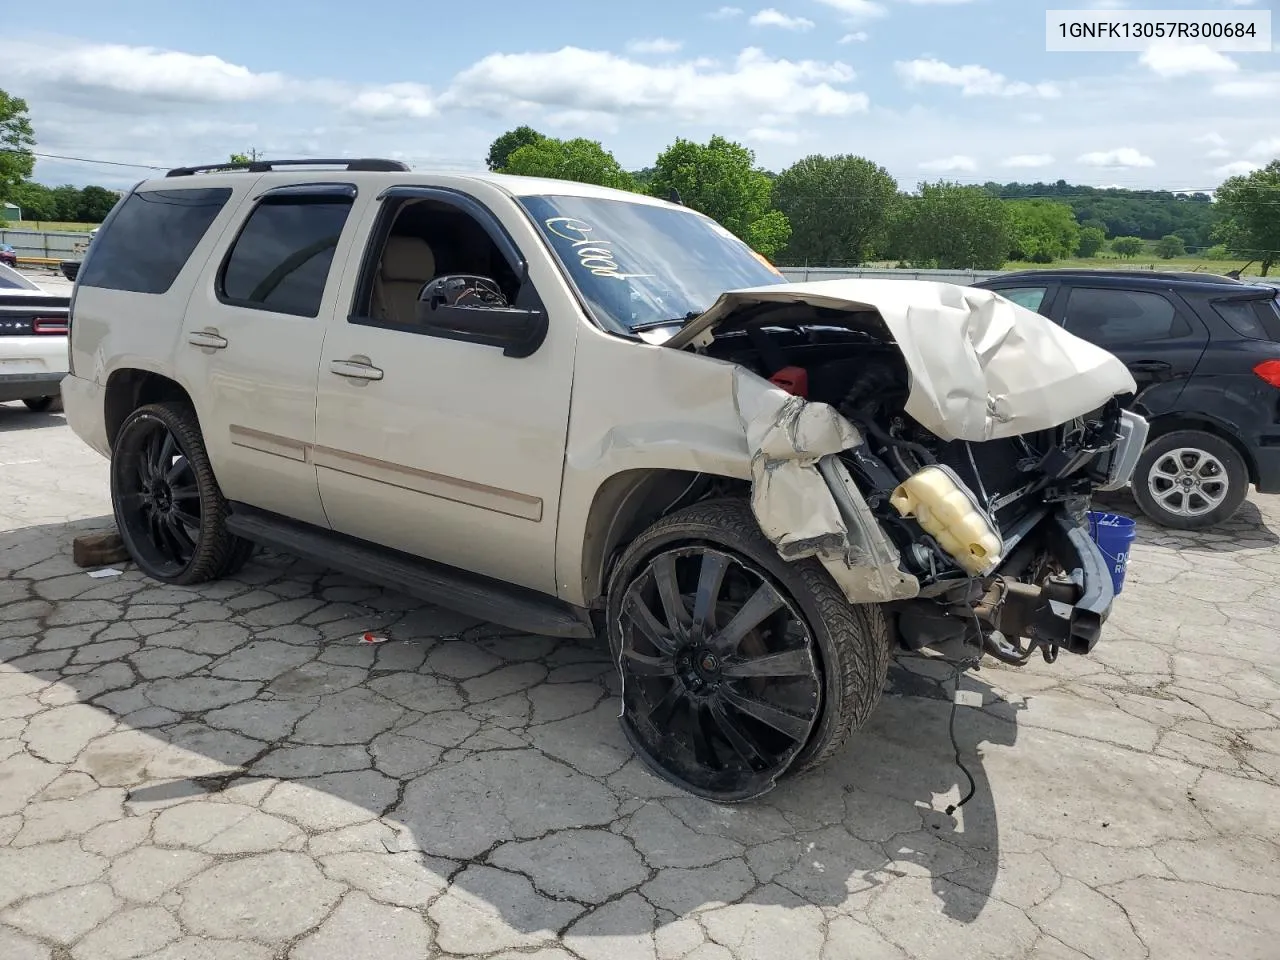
{"points": [[426, 239]]}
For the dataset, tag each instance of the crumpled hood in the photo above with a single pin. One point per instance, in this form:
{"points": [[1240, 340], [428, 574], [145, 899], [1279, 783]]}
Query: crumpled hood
{"points": [[981, 366]]}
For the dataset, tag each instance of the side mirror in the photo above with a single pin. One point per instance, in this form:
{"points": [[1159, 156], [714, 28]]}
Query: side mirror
{"points": [[472, 308]]}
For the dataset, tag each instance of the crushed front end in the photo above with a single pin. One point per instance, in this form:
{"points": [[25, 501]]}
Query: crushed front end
{"points": [[937, 448]]}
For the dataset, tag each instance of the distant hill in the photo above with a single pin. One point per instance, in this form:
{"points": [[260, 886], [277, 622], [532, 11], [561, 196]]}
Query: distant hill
{"points": [[1150, 214]]}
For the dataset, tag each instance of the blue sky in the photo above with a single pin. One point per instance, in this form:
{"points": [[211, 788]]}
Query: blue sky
{"points": [[961, 89]]}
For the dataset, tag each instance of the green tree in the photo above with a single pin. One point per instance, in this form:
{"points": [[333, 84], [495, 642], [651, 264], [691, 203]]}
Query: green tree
{"points": [[16, 140], [720, 178], [839, 208], [953, 226], [1091, 242], [1127, 247], [1042, 230], [239, 158], [66, 202], [503, 147], [95, 204], [1250, 222], [1171, 245], [585, 161], [36, 201]]}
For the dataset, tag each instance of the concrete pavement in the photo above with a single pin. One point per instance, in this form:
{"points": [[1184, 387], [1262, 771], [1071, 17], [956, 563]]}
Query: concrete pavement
{"points": [[227, 773]]}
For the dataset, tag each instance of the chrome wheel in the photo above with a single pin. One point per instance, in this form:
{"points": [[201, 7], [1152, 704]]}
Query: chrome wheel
{"points": [[1188, 482], [722, 683]]}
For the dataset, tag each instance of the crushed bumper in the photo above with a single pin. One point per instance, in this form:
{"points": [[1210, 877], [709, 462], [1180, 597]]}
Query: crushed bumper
{"points": [[1065, 612]]}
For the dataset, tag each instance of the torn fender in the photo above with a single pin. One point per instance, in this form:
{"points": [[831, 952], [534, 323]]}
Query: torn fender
{"points": [[803, 498], [982, 367]]}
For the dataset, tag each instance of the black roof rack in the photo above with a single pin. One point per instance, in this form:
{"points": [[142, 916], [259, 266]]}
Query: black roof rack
{"points": [[364, 165]]}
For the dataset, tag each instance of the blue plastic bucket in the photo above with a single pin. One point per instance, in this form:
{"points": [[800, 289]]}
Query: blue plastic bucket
{"points": [[1114, 535]]}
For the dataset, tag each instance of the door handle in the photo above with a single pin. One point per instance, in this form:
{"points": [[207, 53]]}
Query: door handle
{"points": [[357, 368], [207, 338], [1150, 366]]}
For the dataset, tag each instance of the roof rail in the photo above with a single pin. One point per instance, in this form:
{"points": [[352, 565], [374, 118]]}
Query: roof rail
{"points": [[365, 165]]}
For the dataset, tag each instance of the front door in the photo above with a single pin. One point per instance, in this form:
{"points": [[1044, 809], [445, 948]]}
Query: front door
{"points": [[1156, 337], [252, 339], [438, 446]]}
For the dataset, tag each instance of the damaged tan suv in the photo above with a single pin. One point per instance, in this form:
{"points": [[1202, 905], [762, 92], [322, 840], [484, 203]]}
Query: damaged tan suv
{"points": [[572, 411]]}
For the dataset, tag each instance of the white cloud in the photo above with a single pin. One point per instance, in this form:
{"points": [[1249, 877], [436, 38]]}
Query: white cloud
{"points": [[772, 135], [937, 3], [1218, 153], [1183, 59], [1239, 168], [973, 80], [1258, 86], [1213, 138], [1028, 161], [949, 164], [1031, 117], [656, 45], [858, 36], [577, 79], [857, 9], [1266, 149], [725, 13], [776, 18], [1120, 157], [169, 76]]}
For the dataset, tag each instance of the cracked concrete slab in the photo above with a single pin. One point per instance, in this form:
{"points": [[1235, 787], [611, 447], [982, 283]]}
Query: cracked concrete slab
{"points": [[224, 772]]}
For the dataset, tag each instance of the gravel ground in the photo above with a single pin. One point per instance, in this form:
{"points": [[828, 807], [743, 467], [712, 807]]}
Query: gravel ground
{"points": [[226, 773]]}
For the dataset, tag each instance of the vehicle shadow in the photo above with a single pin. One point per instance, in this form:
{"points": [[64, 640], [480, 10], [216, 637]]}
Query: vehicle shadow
{"points": [[1247, 530], [15, 417], [485, 770]]}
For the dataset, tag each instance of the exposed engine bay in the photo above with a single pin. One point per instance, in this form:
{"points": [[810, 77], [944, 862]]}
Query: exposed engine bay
{"points": [[991, 530]]}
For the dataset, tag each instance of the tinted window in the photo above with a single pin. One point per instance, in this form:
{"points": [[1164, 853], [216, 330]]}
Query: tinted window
{"points": [[1116, 316], [1242, 318], [1029, 297], [150, 238], [280, 261]]}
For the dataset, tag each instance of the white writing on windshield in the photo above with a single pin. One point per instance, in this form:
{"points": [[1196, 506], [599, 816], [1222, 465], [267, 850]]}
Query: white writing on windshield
{"points": [[595, 255]]}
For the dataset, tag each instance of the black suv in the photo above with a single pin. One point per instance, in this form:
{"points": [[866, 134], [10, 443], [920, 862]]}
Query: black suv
{"points": [[1205, 352]]}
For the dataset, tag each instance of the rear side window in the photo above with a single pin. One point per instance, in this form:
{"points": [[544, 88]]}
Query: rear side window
{"points": [[1253, 319], [1030, 297], [150, 239], [280, 262], [1122, 316]]}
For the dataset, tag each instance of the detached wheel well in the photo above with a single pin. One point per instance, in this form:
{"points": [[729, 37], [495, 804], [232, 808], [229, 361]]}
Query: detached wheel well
{"points": [[127, 390], [1173, 422], [626, 505]]}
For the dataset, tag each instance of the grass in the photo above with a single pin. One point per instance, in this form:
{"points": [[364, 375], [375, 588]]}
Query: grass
{"points": [[1143, 262], [50, 226]]}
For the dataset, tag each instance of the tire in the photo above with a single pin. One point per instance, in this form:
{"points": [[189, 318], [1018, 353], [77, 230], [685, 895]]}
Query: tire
{"points": [[168, 507], [1211, 473], [44, 404], [817, 663]]}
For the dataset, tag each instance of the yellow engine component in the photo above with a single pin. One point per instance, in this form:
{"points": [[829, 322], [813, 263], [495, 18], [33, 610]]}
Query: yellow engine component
{"points": [[948, 513]]}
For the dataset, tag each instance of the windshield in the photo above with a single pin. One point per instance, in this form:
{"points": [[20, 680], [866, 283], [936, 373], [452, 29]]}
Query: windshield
{"points": [[636, 264]]}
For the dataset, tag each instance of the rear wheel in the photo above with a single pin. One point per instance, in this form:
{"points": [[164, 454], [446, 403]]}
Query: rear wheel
{"points": [[44, 404], [1190, 480], [737, 667], [169, 510]]}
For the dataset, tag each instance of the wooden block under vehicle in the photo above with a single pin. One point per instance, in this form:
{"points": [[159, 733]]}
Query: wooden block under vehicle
{"points": [[98, 549]]}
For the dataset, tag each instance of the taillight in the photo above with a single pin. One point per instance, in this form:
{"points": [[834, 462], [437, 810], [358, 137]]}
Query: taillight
{"points": [[53, 326], [1269, 370]]}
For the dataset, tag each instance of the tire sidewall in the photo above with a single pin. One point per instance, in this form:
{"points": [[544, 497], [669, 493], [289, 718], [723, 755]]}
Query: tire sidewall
{"points": [[1223, 450], [758, 553]]}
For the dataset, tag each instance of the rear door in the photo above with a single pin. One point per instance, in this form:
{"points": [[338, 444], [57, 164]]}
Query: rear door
{"points": [[252, 339], [1156, 336]]}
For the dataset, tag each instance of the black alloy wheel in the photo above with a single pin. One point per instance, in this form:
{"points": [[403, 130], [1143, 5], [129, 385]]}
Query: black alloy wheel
{"points": [[169, 510], [737, 667]]}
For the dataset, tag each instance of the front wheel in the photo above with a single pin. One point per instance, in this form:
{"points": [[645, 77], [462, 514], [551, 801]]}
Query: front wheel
{"points": [[169, 510], [737, 667], [1190, 480]]}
